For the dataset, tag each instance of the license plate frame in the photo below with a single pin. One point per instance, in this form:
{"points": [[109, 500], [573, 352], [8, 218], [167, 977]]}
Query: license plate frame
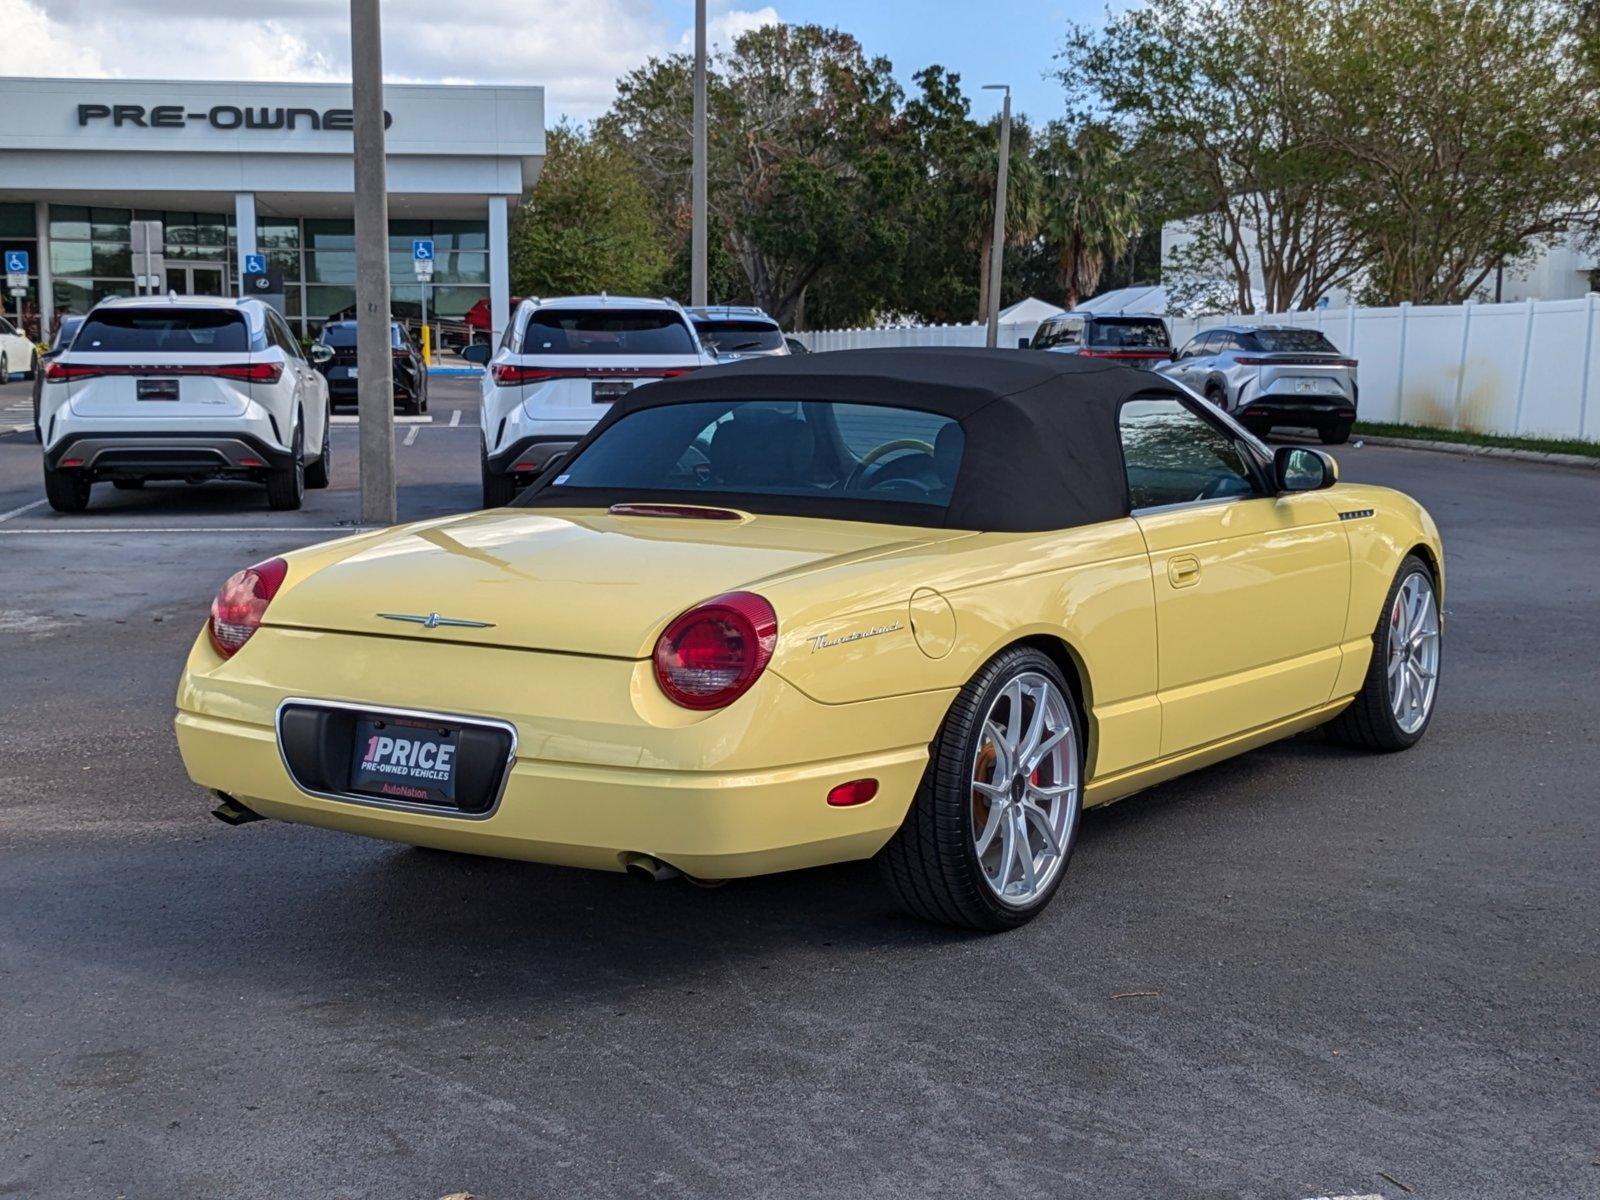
{"points": [[412, 760], [159, 390]]}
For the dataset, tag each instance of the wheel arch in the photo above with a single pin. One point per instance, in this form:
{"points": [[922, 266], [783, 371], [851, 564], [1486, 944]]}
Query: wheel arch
{"points": [[1427, 554], [1067, 659]]}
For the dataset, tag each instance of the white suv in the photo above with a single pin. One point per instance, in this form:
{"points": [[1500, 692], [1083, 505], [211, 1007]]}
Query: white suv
{"points": [[558, 368], [188, 387]]}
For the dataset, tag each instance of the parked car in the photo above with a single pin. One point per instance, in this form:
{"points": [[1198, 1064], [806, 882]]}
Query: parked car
{"points": [[18, 356], [186, 387], [732, 332], [1272, 375], [66, 326], [560, 366], [339, 368], [787, 612], [1131, 337]]}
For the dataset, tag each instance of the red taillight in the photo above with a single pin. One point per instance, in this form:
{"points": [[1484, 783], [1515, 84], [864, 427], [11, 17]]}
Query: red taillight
{"points": [[263, 372], [510, 375], [1285, 360], [237, 611], [711, 655], [857, 791]]}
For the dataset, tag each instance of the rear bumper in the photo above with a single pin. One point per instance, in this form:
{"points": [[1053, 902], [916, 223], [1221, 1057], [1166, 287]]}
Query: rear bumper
{"points": [[529, 455], [603, 766], [1315, 411], [155, 455]]}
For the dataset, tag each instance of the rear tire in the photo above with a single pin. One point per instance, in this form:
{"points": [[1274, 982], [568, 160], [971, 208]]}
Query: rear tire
{"points": [[1216, 397], [320, 472], [498, 490], [1335, 435], [936, 864], [67, 491], [1371, 723], [286, 486]]}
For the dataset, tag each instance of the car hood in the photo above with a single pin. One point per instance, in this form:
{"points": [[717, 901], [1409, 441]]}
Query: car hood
{"points": [[575, 581]]}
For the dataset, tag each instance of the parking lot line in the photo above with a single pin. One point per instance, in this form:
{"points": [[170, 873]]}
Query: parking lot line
{"points": [[411, 435], [455, 418], [353, 419], [17, 512]]}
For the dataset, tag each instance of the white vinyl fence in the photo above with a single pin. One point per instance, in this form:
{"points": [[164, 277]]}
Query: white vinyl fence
{"points": [[1529, 368]]}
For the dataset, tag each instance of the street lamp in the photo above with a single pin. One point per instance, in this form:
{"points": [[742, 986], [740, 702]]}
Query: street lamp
{"points": [[997, 245], [697, 236]]}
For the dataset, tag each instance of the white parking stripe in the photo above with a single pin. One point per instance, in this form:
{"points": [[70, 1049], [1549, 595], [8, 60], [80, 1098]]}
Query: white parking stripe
{"points": [[411, 435], [455, 418], [17, 512], [352, 419]]}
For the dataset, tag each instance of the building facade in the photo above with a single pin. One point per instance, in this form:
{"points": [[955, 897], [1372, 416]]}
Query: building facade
{"points": [[232, 169]]}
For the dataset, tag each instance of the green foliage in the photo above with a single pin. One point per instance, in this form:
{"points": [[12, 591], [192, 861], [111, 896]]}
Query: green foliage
{"points": [[589, 225]]}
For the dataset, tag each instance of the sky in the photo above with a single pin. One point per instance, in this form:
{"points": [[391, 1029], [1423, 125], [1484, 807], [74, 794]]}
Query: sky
{"points": [[575, 48]]}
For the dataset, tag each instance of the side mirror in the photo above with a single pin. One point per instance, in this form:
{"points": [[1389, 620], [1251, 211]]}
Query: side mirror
{"points": [[478, 352], [321, 352], [1302, 469], [1023, 343]]}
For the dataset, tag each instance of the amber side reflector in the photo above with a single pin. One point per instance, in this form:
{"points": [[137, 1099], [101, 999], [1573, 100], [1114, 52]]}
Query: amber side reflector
{"points": [[857, 791]]}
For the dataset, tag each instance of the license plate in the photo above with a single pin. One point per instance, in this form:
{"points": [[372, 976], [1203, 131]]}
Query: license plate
{"points": [[1313, 385], [350, 372], [401, 758], [605, 391], [156, 389]]}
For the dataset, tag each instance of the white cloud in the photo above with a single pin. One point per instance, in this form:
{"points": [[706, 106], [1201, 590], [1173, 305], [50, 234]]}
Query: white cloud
{"points": [[575, 48], [729, 25]]}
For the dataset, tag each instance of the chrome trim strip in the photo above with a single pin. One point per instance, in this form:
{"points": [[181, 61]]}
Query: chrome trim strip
{"points": [[358, 709]]}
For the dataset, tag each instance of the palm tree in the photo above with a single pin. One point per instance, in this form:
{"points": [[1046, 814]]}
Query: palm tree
{"points": [[1091, 211]]}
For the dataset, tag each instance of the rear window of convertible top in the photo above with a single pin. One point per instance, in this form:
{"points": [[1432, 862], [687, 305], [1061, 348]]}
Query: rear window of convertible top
{"points": [[165, 330], [821, 449]]}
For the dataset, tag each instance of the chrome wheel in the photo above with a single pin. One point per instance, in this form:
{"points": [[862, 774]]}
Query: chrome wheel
{"points": [[1025, 792], [1413, 663]]}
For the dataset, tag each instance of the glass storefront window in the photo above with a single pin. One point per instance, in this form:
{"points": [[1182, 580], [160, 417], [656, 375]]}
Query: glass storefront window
{"points": [[453, 303], [321, 234], [109, 224], [275, 232], [71, 258], [331, 266], [16, 221], [110, 259], [70, 221], [461, 235], [323, 302]]}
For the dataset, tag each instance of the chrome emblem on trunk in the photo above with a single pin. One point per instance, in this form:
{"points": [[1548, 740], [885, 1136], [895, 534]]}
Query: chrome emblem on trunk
{"points": [[433, 621]]}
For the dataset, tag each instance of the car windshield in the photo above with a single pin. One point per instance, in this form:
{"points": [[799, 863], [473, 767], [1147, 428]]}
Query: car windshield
{"points": [[1300, 341], [1129, 333], [166, 330], [739, 337], [606, 331], [342, 336], [732, 448]]}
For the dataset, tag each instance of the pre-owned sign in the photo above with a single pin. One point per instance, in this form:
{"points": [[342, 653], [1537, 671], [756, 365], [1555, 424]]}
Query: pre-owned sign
{"points": [[220, 116]]}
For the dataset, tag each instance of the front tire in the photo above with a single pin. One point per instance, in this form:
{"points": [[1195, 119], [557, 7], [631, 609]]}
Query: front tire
{"points": [[286, 486], [1395, 704], [988, 836], [67, 491]]}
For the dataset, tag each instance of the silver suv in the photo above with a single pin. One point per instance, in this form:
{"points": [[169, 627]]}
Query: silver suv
{"points": [[732, 332], [1271, 375]]}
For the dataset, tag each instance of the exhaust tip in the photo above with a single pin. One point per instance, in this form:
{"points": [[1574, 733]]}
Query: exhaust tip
{"points": [[231, 812], [648, 869]]}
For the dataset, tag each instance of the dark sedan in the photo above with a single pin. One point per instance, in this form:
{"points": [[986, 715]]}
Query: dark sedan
{"points": [[410, 372]]}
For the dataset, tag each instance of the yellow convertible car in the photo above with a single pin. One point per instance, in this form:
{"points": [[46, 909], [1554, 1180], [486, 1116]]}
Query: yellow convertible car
{"points": [[923, 605]]}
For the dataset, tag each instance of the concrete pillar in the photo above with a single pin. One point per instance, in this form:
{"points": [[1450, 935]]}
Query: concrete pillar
{"points": [[47, 286], [499, 269], [244, 229]]}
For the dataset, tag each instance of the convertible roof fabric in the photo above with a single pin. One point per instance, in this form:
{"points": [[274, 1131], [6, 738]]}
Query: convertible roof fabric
{"points": [[1042, 449]]}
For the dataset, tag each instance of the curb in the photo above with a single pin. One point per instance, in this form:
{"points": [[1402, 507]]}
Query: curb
{"points": [[432, 371], [1507, 452]]}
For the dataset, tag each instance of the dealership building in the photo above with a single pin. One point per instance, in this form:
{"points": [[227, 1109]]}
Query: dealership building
{"points": [[232, 169]]}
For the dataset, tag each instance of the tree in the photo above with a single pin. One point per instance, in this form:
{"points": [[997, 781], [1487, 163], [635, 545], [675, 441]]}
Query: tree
{"points": [[1466, 132], [975, 179], [1225, 92], [1090, 205], [803, 176], [588, 226]]}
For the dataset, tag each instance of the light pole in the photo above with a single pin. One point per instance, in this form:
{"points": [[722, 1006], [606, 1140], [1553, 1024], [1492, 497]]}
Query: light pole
{"points": [[697, 236], [374, 360], [997, 247]]}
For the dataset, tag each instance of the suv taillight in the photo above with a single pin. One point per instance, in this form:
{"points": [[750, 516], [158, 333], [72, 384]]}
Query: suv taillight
{"points": [[510, 374], [242, 601], [711, 655], [262, 372]]}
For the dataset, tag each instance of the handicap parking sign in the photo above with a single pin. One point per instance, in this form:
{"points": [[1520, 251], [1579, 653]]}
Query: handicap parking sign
{"points": [[16, 262], [422, 249], [255, 264]]}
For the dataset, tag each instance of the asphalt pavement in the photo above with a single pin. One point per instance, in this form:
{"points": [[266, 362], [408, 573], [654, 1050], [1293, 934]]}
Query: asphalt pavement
{"points": [[1305, 972]]}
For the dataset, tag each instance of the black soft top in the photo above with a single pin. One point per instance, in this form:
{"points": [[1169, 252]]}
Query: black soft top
{"points": [[1042, 447]]}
